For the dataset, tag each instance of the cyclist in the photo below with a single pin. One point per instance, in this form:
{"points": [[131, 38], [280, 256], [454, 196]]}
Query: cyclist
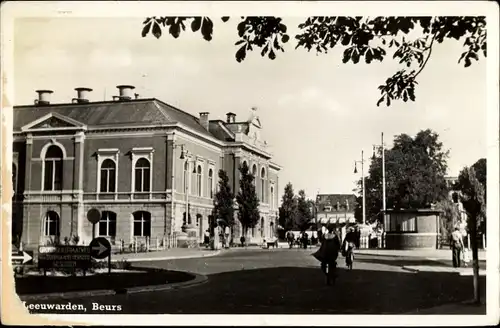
{"points": [[348, 247]]}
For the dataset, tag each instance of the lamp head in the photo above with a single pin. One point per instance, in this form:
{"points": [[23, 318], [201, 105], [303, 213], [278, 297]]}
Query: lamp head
{"points": [[183, 152], [355, 168]]}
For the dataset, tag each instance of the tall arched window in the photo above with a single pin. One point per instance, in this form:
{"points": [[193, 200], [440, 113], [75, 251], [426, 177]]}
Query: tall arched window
{"points": [[142, 224], [263, 184], [14, 178], [262, 227], [254, 173], [51, 224], [107, 224], [53, 171], [211, 183], [271, 201], [185, 176], [142, 175], [108, 176], [198, 181]]}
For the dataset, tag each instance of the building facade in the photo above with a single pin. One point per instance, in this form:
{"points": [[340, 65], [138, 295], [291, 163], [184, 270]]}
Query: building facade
{"points": [[335, 209], [143, 163]]}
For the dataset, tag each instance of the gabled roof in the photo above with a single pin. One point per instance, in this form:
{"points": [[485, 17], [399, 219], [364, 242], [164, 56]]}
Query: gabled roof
{"points": [[53, 121], [332, 200], [218, 129], [109, 114]]}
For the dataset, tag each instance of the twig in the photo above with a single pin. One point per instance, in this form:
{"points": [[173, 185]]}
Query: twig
{"points": [[428, 56]]}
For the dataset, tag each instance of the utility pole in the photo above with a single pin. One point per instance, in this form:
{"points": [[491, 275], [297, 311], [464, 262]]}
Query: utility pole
{"points": [[362, 181]]}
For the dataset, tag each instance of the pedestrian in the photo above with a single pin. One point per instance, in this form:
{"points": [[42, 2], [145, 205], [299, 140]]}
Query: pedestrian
{"points": [[305, 238], [290, 237], [328, 253], [466, 257], [457, 245], [206, 239]]}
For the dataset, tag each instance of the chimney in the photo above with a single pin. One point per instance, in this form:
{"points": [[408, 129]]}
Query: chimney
{"points": [[82, 95], [231, 117], [125, 91], [43, 97], [204, 120], [136, 95]]}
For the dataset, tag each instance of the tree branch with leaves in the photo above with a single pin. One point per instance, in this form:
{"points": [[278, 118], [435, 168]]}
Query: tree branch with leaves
{"points": [[368, 37]]}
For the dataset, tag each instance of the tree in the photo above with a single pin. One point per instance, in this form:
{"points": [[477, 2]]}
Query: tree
{"points": [[415, 175], [303, 217], [288, 209], [448, 218], [371, 38], [480, 169], [472, 198], [224, 202], [248, 203]]}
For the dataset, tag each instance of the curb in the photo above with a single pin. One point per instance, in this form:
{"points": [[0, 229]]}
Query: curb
{"points": [[460, 273], [410, 269], [166, 258], [198, 280]]}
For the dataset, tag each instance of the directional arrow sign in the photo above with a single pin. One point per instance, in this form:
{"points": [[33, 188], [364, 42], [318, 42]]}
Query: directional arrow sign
{"points": [[22, 258], [100, 248]]}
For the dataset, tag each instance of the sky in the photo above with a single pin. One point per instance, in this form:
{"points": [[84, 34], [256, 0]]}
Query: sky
{"points": [[317, 113]]}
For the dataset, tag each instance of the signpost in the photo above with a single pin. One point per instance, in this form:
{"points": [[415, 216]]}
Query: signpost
{"points": [[100, 248], [22, 258], [54, 257], [94, 216]]}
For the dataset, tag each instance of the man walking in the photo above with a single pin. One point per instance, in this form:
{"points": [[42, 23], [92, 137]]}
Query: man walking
{"points": [[457, 244]]}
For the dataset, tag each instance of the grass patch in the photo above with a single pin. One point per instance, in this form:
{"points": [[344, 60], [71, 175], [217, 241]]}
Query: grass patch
{"points": [[29, 285]]}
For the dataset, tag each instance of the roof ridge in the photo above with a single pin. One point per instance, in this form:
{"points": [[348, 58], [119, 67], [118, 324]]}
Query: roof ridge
{"points": [[162, 111]]}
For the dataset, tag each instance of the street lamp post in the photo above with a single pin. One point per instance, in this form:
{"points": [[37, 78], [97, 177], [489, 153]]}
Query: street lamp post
{"points": [[362, 181], [185, 155], [382, 148]]}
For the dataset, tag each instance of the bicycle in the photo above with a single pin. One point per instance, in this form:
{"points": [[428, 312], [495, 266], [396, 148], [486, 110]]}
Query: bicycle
{"points": [[349, 258]]}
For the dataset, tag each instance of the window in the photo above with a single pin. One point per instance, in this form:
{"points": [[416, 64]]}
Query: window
{"points": [[198, 181], [53, 172], [142, 224], [14, 178], [108, 176], [142, 175], [107, 224], [254, 173], [211, 183], [271, 201], [407, 224], [262, 227], [51, 224], [262, 184], [185, 176]]}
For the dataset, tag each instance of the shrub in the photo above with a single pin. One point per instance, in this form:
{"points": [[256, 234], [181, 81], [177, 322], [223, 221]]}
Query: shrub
{"points": [[75, 239], [122, 265]]}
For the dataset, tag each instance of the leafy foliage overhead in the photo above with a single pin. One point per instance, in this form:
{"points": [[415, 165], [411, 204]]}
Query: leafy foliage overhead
{"points": [[368, 38]]}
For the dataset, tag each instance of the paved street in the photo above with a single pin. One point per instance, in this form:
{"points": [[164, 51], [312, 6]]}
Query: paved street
{"points": [[290, 282]]}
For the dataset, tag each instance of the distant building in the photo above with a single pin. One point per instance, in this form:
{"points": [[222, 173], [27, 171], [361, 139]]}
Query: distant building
{"points": [[335, 209], [143, 163]]}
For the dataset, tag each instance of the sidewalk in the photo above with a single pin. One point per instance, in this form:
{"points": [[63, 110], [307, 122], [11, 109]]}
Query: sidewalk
{"points": [[169, 254], [431, 254], [455, 308], [432, 268]]}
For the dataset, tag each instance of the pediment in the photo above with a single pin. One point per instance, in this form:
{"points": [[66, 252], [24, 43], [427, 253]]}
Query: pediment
{"points": [[54, 121]]}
